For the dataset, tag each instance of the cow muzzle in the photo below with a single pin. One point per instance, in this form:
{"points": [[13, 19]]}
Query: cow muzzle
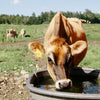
{"points": [[64, 83]]}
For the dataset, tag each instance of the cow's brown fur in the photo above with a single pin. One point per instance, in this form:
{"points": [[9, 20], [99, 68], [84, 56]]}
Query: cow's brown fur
{"points": [[11, 33], [65, 46]]}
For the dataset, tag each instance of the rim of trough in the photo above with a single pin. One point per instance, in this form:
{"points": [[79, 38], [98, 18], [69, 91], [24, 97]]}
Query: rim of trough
{"points": [[57, 94]]}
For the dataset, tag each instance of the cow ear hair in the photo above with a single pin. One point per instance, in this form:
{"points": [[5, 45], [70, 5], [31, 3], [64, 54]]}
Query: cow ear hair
{"points": [[78, 47], [37, 49]]}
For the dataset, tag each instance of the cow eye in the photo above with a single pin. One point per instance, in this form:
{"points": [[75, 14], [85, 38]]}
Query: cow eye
{"points": [[50, 60]]}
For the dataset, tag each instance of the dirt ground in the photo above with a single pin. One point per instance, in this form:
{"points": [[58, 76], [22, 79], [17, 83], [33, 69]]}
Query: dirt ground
{"points": [[13, 85]]}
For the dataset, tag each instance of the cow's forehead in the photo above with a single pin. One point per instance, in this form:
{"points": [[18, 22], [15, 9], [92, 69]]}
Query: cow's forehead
{"points": [[54, 50]]}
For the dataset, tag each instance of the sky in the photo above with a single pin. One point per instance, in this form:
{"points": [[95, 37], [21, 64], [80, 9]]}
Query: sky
{"points": [[27, 7]]}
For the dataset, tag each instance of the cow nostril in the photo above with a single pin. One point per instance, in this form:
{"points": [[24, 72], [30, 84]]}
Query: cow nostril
{"points": [[60, 85], [70, 84]]}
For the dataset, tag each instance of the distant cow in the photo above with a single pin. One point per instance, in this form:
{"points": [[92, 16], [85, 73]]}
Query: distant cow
{"points": [[22, 33], [65, 46], [85, 21], [11, 33]]}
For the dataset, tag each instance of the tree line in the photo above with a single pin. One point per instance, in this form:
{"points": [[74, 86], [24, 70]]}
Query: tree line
{"points": [[45, 17]]}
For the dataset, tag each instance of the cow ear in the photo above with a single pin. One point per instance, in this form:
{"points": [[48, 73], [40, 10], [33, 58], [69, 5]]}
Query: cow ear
{"points": [[37, 49], [78, 47]]}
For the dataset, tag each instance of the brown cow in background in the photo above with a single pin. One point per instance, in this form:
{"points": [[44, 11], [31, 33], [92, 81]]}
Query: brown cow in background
{"points": [[11, 33], [65, 46]]}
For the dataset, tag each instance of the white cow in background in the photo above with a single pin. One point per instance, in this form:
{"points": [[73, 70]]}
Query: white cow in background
{"points": [[22, 33]]}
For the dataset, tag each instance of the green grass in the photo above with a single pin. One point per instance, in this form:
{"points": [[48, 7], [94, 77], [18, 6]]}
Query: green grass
{"points": [[92, 58], [14, 58], [92, 31], [34, 31], [38, 31]]}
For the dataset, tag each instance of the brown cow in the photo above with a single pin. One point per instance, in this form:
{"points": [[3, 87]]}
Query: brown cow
{"points": [[65, 46], [11, 33]]}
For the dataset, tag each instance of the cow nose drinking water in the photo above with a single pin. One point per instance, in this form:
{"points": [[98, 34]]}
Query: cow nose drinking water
{"points": [[65, 46], [63, 83]]}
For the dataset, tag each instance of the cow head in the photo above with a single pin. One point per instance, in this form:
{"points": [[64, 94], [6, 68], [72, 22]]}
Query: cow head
{"points": [[60, 57], [58, 61]]}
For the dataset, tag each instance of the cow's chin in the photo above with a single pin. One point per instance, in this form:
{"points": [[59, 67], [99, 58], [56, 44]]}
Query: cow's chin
{"points": [[64, 83]]}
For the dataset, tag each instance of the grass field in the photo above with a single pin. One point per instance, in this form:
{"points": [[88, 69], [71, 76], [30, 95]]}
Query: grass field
{"points": [[92, 31], [16, 57], [92, 58], [34, 31]]}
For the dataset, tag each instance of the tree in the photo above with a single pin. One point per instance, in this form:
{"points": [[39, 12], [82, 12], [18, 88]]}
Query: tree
{"points": [[46, 17], [50, 15]]}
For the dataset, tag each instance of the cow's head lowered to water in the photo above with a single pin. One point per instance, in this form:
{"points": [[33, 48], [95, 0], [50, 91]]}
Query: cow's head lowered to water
{"points": [[65, 45]]}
